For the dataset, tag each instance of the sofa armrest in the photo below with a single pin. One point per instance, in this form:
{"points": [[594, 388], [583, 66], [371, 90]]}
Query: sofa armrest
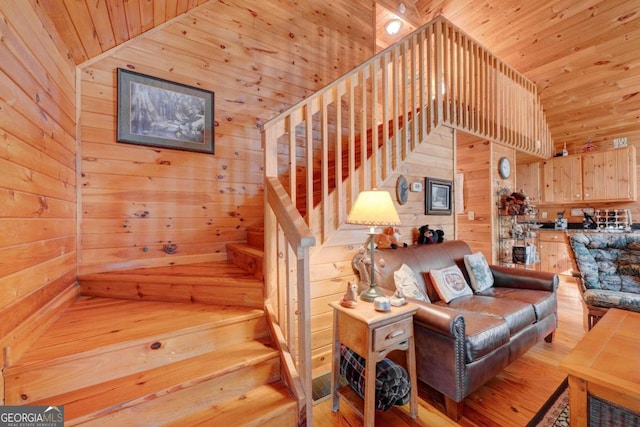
{"points": [[509, 277], [442, 320]]}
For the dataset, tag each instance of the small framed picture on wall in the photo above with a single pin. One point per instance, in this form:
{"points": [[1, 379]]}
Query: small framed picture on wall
{"points": [[437, 196]]}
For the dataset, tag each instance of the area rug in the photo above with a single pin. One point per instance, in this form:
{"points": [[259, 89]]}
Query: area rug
{"points": [[555, 411]]}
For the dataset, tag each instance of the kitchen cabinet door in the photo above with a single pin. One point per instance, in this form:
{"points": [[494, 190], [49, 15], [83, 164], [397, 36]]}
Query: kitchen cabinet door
{"points": [[610, 175], [562, 179], [555, 253]]}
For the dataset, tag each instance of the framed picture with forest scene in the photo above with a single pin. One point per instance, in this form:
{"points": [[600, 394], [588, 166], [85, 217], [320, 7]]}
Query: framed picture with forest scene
{"points": [[160, 113], [437, 196]]}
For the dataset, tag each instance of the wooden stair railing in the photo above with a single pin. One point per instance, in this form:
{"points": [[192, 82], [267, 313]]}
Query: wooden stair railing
{"points": [[317, 173], [286, 266], [315, 151]]}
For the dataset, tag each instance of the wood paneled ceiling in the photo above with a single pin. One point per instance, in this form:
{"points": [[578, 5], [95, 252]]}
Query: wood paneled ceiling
{"points": [[584, 55], [91, 27]]}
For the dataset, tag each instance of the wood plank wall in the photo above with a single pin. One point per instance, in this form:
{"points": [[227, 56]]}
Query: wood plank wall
{"points": [[259, 58], [474, 163], [38, 179], [477, 159], [331, 265]]}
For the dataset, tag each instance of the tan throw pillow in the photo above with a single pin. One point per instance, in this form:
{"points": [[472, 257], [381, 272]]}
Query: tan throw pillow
{"points": [[450, 283], [479, 271], [406, 282]]}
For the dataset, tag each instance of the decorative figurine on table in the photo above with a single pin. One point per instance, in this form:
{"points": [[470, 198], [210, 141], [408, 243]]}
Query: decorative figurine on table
{"points": [[398, 298], [350, 298]]}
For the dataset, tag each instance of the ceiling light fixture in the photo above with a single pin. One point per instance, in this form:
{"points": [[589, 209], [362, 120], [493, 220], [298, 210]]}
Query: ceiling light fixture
{"points": [[393, 26]]}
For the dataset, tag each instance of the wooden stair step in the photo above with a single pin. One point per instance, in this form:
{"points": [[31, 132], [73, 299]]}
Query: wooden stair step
{"points": [[255, 237], [210, 272], [80, 348], [270, 405], [207, 283], [219, 375], [247, 257]]}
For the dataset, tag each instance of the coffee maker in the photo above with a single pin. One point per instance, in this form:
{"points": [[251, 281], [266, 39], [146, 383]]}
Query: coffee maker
{"points": [[561, 221]]}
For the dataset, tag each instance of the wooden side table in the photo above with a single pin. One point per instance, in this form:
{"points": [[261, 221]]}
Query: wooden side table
{"points": [[372, 334]]}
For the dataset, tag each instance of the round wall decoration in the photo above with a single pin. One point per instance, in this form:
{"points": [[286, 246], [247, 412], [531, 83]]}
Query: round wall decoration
{"points": [[402, 190], [504, 167]]}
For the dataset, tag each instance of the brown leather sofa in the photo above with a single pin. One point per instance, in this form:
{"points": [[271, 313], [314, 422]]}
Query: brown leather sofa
{"points": [[463, 344]]}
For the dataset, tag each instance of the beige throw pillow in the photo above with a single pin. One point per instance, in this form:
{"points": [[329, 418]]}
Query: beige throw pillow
{"points": [[406, 282], [479, 271], [450, 283]]}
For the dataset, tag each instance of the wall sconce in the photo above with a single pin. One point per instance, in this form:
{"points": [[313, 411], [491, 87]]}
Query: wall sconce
{"points": [[393, 26]]}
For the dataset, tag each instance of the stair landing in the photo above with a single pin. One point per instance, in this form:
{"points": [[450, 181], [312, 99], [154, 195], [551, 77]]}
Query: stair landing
{"points": [[208, 283]]}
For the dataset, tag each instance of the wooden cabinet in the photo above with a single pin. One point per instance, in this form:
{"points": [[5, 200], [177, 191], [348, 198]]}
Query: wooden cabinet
{"points": [[555, 254], [562, 179], [602, 176], [528, 180], [609, 175]]}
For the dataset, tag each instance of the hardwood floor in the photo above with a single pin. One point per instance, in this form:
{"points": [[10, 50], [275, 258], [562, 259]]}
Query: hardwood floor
{"points": [[510, 399]]}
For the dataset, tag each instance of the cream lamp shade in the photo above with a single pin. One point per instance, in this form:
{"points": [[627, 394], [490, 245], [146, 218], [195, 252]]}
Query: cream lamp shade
{"points": [[373, 208]]}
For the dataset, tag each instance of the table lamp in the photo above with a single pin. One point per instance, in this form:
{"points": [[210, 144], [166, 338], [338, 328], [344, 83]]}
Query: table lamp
{"points": [[373, 208]]}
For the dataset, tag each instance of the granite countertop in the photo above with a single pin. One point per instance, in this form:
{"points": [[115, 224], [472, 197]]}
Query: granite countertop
{"points": [[577, 227]]}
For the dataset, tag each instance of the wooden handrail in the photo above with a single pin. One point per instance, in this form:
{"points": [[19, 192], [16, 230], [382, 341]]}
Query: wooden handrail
{"points": [[364, 124], [295, 229], [287, 265]]}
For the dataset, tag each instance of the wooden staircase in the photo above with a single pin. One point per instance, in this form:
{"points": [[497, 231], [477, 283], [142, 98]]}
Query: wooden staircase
{"points": [[178, 359], [250, 255]]}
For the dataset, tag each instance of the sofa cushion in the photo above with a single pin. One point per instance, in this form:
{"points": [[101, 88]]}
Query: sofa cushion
{"points": [[517, 314], [544, 303], [483, 335], [406, 281], [450, 283], [479, 271], [605, 298], [609, 261]]}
